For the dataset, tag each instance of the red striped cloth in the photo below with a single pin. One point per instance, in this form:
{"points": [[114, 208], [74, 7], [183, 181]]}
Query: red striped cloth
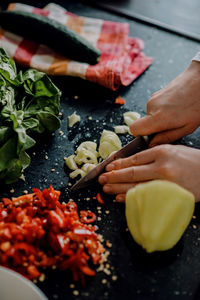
{"points": [[121, 62]]}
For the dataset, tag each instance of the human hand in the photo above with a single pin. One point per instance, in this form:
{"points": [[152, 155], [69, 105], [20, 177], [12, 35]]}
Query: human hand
{"points": [[174, 111], [176, 163]]}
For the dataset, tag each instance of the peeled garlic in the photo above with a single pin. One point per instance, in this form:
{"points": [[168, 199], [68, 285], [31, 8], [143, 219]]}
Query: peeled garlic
{"points": [[88, 145], [73, 119], [158, 213], [88, 167], [77, 172], [86, 156], [70, 163], [121, 129], [130, 117], [109, 142]]}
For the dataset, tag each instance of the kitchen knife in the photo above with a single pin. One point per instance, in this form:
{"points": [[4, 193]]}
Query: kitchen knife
{"points": [[138, 144]]}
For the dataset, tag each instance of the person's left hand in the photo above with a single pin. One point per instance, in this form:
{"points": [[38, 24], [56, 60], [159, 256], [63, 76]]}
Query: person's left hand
{"points": [[176, 163]]}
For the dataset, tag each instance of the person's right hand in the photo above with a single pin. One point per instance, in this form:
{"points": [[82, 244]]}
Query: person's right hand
{"points": [[174, 111]]}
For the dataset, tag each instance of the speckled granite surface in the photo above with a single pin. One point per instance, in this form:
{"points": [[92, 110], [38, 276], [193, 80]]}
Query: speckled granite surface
{"points": [[170, 275]]}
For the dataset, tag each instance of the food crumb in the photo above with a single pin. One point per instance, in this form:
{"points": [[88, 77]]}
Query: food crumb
{"points": [[75, 97], [52, 170], [12, 191], [106, 271], [69, 184], [72, 286], [90, 118], [76, 293], [194, 217], [114, 277], [25, 192], [60, 114], [46, 157], [108, 244], [107, 212], [42, 278], [194, 226], [99, 218], [104, 281], [60, 132]]}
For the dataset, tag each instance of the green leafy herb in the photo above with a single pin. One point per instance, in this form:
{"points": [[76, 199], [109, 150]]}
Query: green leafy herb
{"points": [[29, 102]]}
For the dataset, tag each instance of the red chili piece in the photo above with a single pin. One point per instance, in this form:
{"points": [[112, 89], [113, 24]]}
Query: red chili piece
{"points": [[37, 231], [99, 198], [87, 216], [120, 101]]}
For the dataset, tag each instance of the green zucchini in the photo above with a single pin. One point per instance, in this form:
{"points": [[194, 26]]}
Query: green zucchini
{"points": [[51, 33]]}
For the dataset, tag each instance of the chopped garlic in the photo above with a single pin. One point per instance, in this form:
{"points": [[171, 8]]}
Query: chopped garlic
{"points": [[130, 117], [86, 156], [77, 172], [88, 145], [121, 129], [73, 119], [109, 142], [88, 167], [70, 162]]}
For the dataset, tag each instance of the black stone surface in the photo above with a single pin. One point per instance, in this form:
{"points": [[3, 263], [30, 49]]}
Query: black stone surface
{"points": [[170, 275], [179, 15]]}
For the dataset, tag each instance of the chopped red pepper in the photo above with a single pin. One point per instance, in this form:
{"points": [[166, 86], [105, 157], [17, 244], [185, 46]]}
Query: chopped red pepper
{"points": [[87, 216], [37, 231], [120, 101], [99, 198]]}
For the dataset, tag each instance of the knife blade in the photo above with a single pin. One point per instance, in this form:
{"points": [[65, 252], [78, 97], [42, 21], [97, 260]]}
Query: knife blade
{"points": [[138, 144]]}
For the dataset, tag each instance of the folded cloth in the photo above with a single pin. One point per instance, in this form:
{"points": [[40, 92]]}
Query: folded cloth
{"points": [[121, 59]]}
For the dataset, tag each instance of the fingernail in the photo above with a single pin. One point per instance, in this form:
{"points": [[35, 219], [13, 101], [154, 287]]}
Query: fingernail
{"points": [[110, 167], [119, 199], [107, 189], [152, 145], [102, 179]]}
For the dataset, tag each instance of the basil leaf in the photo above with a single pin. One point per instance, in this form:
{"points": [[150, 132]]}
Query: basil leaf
{"points": [[29, 103]]}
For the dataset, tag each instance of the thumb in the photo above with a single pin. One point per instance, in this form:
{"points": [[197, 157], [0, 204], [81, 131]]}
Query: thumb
{"points": [[167, 137], [144, 126]]}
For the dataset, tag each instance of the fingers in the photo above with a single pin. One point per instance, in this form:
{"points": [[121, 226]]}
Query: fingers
{"points": [[169, 136], [117, 188], [129, 175], [140, 158], [146, 125], [121, 198], [158, 123]]}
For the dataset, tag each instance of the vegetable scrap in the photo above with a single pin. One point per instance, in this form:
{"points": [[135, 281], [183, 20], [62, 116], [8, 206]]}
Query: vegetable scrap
{"points": [[120, 101], [73, 119], [130, 117], [37, 232], [109, 142], [99, 198], [86, 156]]}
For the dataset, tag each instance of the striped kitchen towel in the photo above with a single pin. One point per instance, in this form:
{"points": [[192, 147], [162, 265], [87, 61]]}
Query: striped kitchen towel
{"points": [[121, 62]]}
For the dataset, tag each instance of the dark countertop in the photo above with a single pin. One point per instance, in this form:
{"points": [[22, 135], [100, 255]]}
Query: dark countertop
{"points": [[170, 275], [180, 14]]}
